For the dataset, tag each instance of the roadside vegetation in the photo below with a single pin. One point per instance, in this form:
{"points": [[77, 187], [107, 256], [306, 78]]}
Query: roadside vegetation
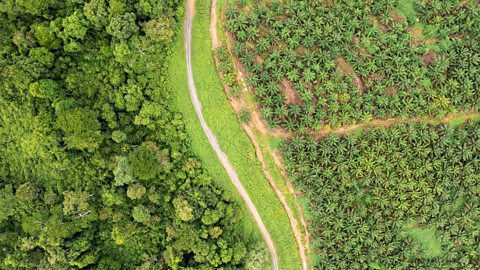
{"points": [[96, 166], [233, 140]]}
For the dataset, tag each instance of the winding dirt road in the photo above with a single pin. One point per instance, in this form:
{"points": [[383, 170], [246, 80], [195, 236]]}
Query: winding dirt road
{"points": [[213, 140]]}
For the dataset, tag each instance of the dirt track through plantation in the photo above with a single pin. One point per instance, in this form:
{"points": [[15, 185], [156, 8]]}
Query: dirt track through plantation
{"points": [[280, 133]]}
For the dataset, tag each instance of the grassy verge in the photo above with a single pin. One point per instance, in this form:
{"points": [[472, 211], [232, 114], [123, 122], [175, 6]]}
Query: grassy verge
{"points": [[177, 81], [267, 144], [232, 138]]}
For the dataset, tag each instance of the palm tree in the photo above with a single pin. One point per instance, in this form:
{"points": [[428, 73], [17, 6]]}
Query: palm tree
{"points": [[251, 33], [308, 75], [292, 75], [262, 45]]}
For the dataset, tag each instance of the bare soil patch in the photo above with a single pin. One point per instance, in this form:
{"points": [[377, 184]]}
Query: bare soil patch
{"points": [[392, 121], [291, 96], [418, 37], [390, 91], [458, 35], [355, 40], [259, 59], [347, 69], [378, 24], [191, 7], [397, 16], [213, 26], [431, 41], [429, 58]]}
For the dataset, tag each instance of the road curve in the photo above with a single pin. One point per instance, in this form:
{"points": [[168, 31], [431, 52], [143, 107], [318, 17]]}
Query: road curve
{"points": [[213, 140]]}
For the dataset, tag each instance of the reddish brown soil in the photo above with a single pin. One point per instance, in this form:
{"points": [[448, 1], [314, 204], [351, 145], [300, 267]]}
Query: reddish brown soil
{"points": [[355, 40], [378, 24], [458, 35], [398, 17], [390, 91], [392, 121], [429, 58], [291, 96], [347, 69], [418, 37], [259, 59]]}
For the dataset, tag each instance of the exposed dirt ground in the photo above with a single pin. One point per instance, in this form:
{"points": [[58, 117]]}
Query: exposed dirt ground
{"points": [[397, 17], [392, 121], [377, 23], [347, 69], [213, 26], [429, 58], [291, 96], [418, 37]]}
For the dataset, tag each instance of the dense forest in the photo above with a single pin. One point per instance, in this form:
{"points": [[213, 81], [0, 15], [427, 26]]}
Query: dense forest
{"points": [[323, 64], [406, 197], [95, 166]]}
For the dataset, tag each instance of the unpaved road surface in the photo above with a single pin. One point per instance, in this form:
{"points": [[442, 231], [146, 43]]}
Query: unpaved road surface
{"points": [[213, 140]]}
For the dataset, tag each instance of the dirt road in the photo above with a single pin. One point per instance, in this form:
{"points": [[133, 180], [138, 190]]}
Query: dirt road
{"points": [[213, 140]]}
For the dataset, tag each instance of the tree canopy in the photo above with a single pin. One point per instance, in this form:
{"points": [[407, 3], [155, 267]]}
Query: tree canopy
{"points": [[96, 171]]}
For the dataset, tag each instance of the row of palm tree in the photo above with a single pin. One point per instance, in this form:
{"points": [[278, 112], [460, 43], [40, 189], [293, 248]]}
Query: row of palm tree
{"points": [[388, 73], [370, 194], [399, 198]]}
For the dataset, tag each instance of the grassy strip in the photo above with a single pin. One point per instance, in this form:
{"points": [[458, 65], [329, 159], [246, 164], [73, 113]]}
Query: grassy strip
{"points": [[232, 138], [177, 81], [268, 143], [265, 142]]}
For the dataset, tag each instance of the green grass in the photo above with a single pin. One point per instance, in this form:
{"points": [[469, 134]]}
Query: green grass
{"points": [[408, 9], [234, 142], [177, 80], [430, 245], [461, 120], [275, 143]]}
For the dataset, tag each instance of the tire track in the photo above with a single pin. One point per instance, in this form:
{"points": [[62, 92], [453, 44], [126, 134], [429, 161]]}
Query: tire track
{"points": [[214, 142]]}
